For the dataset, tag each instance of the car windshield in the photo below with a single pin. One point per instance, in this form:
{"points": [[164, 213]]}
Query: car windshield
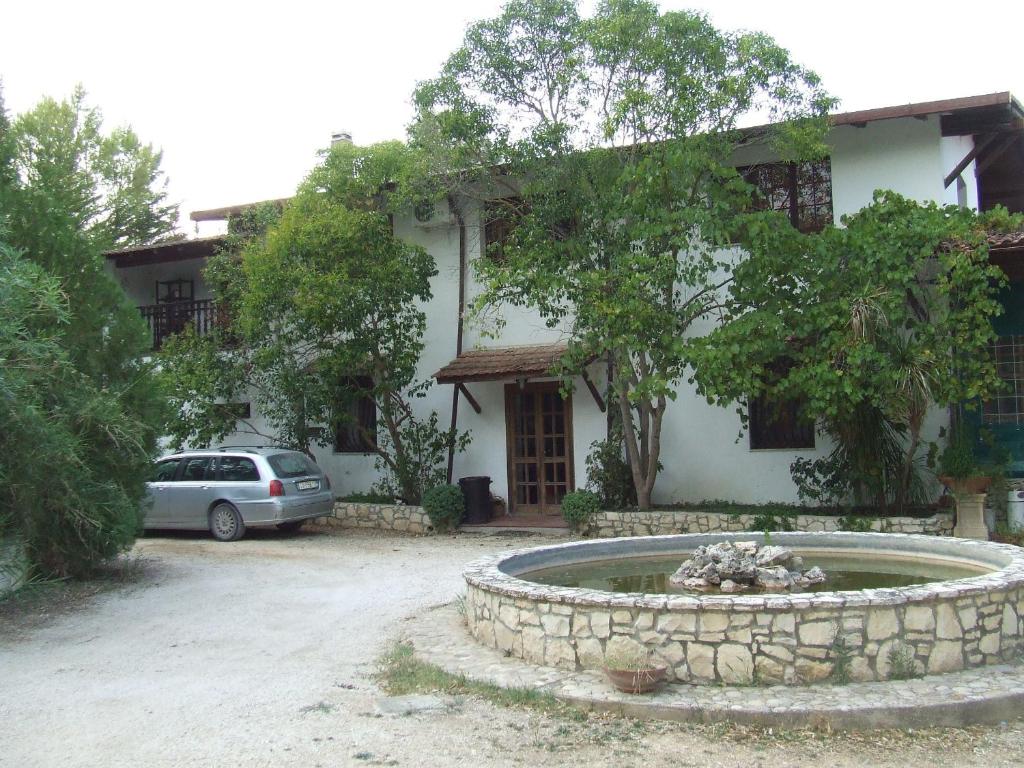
{"points": [[292, 465]]}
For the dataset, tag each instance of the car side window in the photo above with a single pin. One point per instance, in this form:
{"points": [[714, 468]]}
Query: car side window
{"points": [[164, 471], [195, 468], [238, 469]]}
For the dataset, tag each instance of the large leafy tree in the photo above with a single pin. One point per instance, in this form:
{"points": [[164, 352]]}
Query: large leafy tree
{"points": [[610, 140], [325, 307], [868, 326], [81, 408], [74, 192], [75, 453]]}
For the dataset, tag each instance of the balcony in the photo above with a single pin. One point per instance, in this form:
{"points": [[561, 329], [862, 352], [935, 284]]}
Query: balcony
{"points": [[167, 319]]}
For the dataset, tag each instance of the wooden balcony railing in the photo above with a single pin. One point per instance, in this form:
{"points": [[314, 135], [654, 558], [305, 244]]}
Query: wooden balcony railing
{"points": [[165, 320]]}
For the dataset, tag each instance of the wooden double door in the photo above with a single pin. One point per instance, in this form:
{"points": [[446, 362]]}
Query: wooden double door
{"points": [[538, 425]]}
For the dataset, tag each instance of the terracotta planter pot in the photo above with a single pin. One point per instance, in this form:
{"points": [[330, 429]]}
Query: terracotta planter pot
{"points": [[976, 484], [636, 680]]}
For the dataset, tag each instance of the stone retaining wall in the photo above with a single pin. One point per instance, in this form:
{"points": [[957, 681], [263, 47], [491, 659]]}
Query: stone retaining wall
{"points": [[398, 517], [385, 517], [733, 639], [659, 523]]}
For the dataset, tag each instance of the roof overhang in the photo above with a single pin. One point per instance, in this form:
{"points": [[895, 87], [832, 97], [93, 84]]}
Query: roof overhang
{"points": [[225, 213], [502, 364], [988, 113], [162, 253]]}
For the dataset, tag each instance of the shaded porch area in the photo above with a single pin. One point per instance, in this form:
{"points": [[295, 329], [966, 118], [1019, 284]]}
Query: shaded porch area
{"points": [[518, 392]]}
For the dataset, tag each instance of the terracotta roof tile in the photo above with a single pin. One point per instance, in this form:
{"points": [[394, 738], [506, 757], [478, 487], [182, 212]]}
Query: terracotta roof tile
{"points": [[501, 363], [1002, 240]]}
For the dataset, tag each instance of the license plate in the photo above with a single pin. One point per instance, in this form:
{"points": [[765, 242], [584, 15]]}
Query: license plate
{"points": [[307, 485]]}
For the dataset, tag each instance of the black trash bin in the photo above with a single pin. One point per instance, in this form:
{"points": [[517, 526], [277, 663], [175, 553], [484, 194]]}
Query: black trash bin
{"points": [[476, 491]]}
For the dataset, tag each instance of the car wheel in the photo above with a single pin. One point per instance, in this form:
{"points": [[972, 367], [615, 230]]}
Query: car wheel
{"points": [[225, 523], [291, 525]]}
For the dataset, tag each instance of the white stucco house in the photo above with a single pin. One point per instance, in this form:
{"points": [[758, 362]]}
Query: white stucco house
{"points": [[531, 442]]}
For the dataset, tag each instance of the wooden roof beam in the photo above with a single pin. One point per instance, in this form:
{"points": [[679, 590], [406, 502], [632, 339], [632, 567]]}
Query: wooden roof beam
{"points": [[469, 397], [995, 154], [593, 391]]}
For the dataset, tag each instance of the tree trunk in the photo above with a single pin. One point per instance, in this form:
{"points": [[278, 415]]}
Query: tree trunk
{"points": [[643, 499], [644, 454], [632, 449], [903, 492], [410, 488], [654, 449]]}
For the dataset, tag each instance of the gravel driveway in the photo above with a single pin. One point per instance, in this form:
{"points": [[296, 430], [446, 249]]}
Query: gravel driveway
{"points": [[259, 653]]}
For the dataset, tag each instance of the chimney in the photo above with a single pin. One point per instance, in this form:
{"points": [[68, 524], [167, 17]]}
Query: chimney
{"points": [[341, 137]]}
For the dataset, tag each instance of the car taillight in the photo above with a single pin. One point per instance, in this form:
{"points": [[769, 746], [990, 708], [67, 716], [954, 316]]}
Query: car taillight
{"points": [[276, 488]]}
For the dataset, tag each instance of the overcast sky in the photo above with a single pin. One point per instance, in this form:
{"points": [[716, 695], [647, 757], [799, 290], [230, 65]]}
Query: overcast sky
{"points": [[240, 96]]}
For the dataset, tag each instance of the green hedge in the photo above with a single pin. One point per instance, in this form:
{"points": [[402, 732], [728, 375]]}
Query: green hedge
{"points": [[444, 506], [578, 507]]}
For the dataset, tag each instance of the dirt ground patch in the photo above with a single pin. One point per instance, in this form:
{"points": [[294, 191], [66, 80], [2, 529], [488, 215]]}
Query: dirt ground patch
{"points": [[262, 653], [39, 603]]}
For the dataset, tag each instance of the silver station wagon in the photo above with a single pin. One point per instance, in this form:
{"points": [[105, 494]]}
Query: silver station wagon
{"points": [[226, 490]]}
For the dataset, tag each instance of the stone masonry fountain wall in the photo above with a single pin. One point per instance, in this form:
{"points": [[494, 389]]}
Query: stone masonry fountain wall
{"points": [[742, 639]]}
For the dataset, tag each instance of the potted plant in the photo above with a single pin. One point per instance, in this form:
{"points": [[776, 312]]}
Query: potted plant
{"points": [[959, 469], [970, 479], [634, 672]]}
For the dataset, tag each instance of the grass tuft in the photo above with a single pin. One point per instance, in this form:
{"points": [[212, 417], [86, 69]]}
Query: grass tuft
{"points": [[901, 663], [842, 660], [400, 673]]}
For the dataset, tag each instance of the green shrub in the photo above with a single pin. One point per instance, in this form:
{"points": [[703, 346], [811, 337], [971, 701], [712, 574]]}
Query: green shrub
{"points": [[578, 507], [773, 519], [608, 473], [444, 506], [74, 449], [824, 481], [421, 463], [856, 523]]}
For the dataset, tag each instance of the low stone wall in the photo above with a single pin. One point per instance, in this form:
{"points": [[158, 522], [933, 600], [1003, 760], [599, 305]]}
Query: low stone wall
{"points": [[661, 523], [398, 517], [385, 517], [773, 638]]}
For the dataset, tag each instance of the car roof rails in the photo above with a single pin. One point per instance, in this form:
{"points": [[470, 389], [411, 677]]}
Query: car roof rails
{"points": [[250, 447]]}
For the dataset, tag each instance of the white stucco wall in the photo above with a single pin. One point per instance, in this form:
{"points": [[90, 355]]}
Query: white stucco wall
{"points": [[954, 149], [704, 455], [908, 156]]}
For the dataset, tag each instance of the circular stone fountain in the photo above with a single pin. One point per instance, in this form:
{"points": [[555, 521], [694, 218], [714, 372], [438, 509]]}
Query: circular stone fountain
{"points": [[972, 617]]}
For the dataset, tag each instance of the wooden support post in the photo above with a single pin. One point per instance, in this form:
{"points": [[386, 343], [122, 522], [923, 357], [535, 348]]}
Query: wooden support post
{"points": [[469, 398]]}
